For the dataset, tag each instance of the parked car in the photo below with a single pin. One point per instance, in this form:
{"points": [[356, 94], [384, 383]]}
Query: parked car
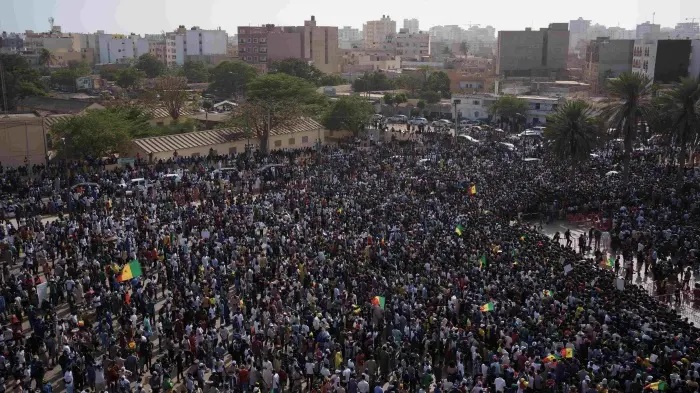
{"points": [[398, 119], [418, 121]]}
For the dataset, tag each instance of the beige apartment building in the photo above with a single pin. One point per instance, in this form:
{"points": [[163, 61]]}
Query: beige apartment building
{"points": [[375, 32], [22, 140]]}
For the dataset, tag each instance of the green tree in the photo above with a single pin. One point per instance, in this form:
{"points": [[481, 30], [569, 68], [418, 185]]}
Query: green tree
{"points": [[332, 80], [431, 97], [64, 77], [95, 134], [231, 78], [410, 82], [680, 106], [511, 110], [395, 100], [573, 130], [46, 57], [439, 82], [20, 80], [420, 104], [110, 72], [81, 68], [299, 68], [372, 81], [129, 78], [169, 92], [349, 113], [274, 101], [195, 71], [150, 65], [631, 104]]}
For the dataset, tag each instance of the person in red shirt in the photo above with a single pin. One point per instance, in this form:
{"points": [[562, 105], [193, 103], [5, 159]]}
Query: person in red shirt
{"points": [[243, 378]]}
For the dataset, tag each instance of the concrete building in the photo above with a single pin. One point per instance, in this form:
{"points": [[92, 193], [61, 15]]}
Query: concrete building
{"points": [[578, 31], [411, 25], [198, 42], [22, 140], [411, 46], [157, 46], [449, 33], [55, 41], [261, 45], [119, 48], [694, 69], [648, 30], [690, 30], [349, 37], [533, 52], [606, 58], [662, 61], [375, 32], [359, 61], [301, 133], [476, 107], [11, 43]]}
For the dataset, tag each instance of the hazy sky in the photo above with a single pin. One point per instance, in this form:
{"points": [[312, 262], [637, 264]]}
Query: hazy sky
{"points": [[153, 16]]}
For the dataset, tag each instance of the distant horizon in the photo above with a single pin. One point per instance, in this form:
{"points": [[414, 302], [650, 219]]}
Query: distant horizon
{"points": [[155, 16]]}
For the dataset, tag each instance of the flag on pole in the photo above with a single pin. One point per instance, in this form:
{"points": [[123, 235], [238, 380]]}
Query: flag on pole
{"points": [[483, 263], [487, 307], [379, 301], [129, 271], [658, 385], [567, 353], [459, 230], [472, 190]]}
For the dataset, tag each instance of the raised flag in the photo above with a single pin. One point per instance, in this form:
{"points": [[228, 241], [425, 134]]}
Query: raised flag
{"points": [[483, 263], [567, 353], [459, 230], [610, 264], [129, 271], [486, 307], [472, 190], [547, 293], [658, 385], [379, 301]]}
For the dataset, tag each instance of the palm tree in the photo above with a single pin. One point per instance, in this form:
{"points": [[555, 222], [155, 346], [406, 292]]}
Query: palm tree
{"points": [[46, 58], [573, 130], [681, 105], [630, 105]]}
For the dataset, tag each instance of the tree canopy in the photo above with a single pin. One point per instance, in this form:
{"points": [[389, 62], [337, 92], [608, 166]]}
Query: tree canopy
{"points": [[230, 79], [20, 80], [299, 68], [195, 71], [169, 92], [94, 134], [372, 81], [573, 130], [150, 65], [349, 113], [129, 78], [438, 82]]}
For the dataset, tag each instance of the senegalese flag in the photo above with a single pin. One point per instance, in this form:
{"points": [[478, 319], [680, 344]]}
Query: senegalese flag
{"points": [[549, 358], [379, 301], [472, 190], [567, 353], [356, 309], [659, 385], [129, 271], [459, 230], [483, 263], [611, 262], [487, 307], [547, 293]]}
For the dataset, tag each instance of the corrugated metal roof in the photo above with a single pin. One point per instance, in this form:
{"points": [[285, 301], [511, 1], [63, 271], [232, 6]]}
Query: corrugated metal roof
{"points": [[215, 137], [49, 121], [160, 113]]}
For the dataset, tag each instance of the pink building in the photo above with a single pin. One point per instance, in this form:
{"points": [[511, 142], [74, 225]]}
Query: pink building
{"points": [[261, 45]]}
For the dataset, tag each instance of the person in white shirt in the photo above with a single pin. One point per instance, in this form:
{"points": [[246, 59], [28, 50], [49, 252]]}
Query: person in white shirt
{"points": [[500, 384], [363, 385]]}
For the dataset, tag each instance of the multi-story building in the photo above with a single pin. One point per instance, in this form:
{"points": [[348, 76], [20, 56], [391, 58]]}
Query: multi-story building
{"points": [[449, 33], [118, 48], [578, 31], [375, 32], [52, 42], [349, 37], [606, 58], [261, 45], [157, 46], [411, 25], [198, 42], [662, 61], [690, 30], [619, 33], [476, 107], [648, 30], [11, 42], [411, 46], [694, 69], [532, 53]]}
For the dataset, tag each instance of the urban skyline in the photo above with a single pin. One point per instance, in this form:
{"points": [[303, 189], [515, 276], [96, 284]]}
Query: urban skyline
{"points": [[123, 16]]}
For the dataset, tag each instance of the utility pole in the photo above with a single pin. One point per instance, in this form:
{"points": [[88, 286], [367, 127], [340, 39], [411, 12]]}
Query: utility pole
{"points": [[2, 87]]}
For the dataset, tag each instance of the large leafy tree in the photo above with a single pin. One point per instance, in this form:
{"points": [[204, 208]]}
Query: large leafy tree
{"points": [[66, 77], [511, 109], [395, 99], [348, 113], [129, 78], [371, 81], [169, 92], [94, 134], [231, 79], [195, 71], [150, 65], [438, 82], [573, 130], [680, 107], [110, 72], [299, 68], [410, 82], [630, 105], [274, 101], [20, 80]]}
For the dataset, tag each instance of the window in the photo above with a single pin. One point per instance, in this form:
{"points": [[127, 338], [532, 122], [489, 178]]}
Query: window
{"points": [[278, 143], [537, 106], [241, 31], [248, 58], [263, 58], [263, 49], [255, 40], [255, 49], [476, 102], [291, 141], [476, 114], [244, 49], [304, 139], [263, 40], [241, 40], [232, 150], [555, 106], [248, 40], [255, 58]]}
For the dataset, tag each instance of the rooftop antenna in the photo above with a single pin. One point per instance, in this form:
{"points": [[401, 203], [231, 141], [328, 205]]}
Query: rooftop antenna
{"points": [[51, 20], [653, 17]]}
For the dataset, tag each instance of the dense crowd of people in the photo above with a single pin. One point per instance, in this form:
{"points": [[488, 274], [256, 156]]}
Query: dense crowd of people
{"points": [[402, 267]]}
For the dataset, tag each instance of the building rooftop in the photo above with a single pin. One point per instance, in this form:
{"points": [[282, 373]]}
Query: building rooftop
{"points": [[55, 105], [216, 137], [160, 113]]}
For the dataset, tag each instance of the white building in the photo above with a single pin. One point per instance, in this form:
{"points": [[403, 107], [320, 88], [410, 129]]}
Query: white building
{"points": [[375, 32], [690, 30], [119, 48], [412, 46], [198, 42], [694, 69], [349, 36], [648, 30], [578, 31], [411, 25], [476, 107]]}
